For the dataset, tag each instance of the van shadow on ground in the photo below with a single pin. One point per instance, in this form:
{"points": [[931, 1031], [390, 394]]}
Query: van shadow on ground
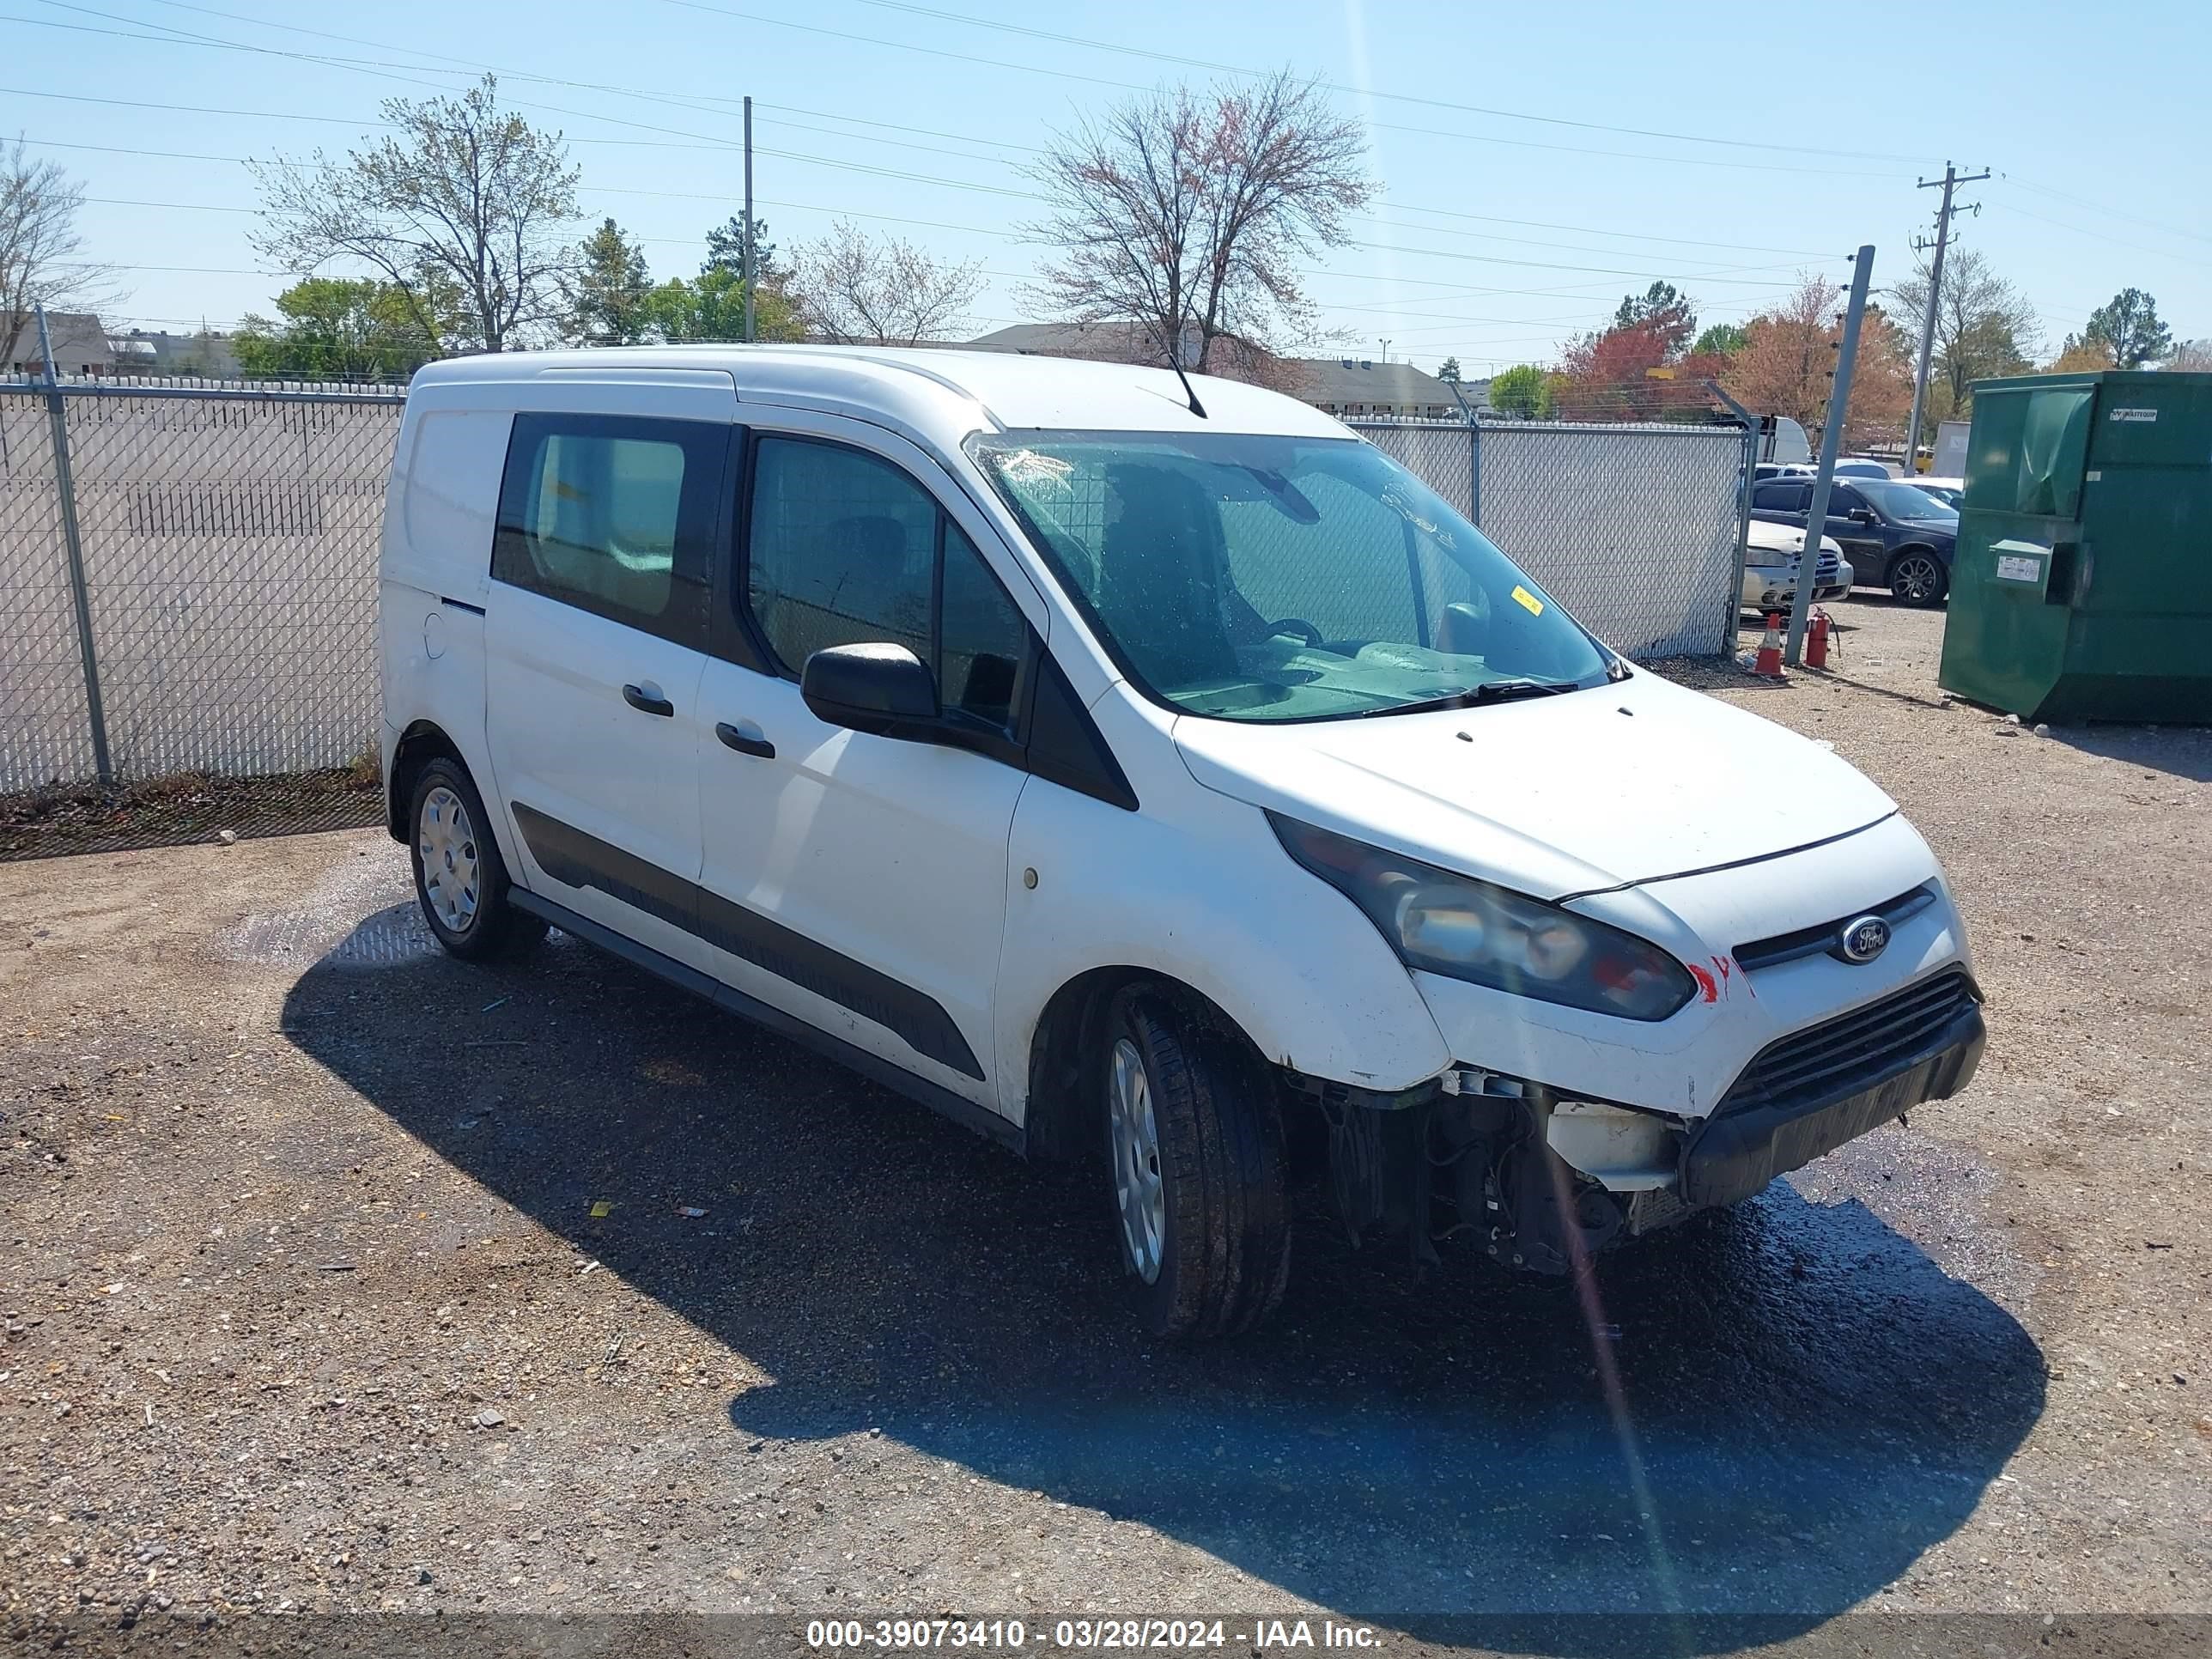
{"points": [[1806, 1402]]}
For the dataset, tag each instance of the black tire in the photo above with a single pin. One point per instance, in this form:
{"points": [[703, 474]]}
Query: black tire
{"points": [[1917, 577], [1225, 1252], [491, 926]]}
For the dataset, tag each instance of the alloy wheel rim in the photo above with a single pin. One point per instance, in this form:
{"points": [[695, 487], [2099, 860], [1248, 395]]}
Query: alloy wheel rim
{"points": [[446, 843], [1918, 578], [1138, 1191]]}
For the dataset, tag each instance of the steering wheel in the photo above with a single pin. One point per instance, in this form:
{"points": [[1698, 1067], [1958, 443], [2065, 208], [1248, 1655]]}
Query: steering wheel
{"points": [[1297, 625]]}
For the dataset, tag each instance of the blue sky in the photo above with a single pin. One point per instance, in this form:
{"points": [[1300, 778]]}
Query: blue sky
{"points": [[1724, 149]]}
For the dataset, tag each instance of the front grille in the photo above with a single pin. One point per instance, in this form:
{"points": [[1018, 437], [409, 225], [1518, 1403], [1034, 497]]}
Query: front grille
{"points": [[1827, 568], [1842, 1055], [1828, 935]]}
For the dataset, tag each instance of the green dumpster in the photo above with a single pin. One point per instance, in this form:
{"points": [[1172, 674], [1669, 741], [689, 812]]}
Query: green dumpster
{"points": [[2082, 586]]}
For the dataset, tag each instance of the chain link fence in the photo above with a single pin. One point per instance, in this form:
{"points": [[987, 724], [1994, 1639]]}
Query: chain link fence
{"points": [[228, 541], [1636, 530]]}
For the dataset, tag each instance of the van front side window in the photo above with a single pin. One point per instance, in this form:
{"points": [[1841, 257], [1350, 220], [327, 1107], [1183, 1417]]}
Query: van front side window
{"points": [[847, 549], [612, 516]]}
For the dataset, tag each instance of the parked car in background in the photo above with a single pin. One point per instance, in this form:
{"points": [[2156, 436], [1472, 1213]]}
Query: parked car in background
{"points": [[1952, 492], [1895, 535], [1155, 787], [1851, 466], [1770, 558]]}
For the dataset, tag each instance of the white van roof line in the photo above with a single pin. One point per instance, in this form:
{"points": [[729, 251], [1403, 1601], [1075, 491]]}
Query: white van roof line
{"points": [[908, 366], [998, 391]]}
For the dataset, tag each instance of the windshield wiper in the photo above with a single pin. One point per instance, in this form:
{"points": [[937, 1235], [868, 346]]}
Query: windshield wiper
{"points": [[1475, 696]]}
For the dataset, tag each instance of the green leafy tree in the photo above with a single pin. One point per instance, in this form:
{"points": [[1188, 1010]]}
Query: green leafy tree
{"points": [[335, 328], [1448, 369], [1719, 340], [1661, 312], [2129, 328], [712, 306], [608, 289], [1524, 392], [460, 192], [726, 251]]}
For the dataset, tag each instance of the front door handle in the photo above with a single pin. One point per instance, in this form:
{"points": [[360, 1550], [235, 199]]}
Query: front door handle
{"points": [[733, 738], [637, 699]]}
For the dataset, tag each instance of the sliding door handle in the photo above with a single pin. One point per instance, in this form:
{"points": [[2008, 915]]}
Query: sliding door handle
{"points": [[733, 738], [645, 704]]}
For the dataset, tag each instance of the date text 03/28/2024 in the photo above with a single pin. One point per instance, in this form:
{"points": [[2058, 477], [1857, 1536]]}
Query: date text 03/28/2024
{"points": [[891, 1635]]}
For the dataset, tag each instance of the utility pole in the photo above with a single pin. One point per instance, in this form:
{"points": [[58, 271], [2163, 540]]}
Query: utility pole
{"points": [[1949, 182], [1832, 440], [750, 272]]}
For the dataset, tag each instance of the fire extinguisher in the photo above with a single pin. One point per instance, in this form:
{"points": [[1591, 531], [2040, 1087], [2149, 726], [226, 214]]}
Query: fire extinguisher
{"points": [[1816, 639]]}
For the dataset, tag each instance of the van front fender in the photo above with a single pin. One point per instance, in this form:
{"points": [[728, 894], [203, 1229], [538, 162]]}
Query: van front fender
{"points": [[1212, 902]]}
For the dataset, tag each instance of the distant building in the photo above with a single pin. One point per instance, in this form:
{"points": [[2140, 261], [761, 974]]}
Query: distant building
{"points": [[80, 345], [207, 354], [1358, 388], [1105, 342], [1350, 388]]}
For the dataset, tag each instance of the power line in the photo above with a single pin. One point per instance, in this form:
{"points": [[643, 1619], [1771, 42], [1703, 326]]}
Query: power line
{"points": [[1374, 92], [1432, 253], [2195, 261], [1384, 126], [178, 37], [2100, 207], [1635, 236]]}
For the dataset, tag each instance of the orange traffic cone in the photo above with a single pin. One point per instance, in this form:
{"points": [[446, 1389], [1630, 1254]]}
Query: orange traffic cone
{"points": [[1769, 660]]}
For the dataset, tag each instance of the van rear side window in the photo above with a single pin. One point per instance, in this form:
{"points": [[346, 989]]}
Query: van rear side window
{"points": [[613, 515]]}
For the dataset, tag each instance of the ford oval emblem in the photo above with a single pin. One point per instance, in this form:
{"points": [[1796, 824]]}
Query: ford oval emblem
{"points": [[1865, 939]]}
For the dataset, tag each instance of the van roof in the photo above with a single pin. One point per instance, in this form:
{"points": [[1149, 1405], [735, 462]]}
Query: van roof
{"points": [[948, 393]]}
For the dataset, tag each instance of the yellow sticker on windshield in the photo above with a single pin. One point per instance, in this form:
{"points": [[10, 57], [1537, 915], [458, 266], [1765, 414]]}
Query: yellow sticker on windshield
{"points": [[1528, 601]]}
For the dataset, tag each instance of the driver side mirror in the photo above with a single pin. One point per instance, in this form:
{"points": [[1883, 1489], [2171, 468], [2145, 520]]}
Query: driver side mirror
{"points": [[1861, 515], [880, 689]]}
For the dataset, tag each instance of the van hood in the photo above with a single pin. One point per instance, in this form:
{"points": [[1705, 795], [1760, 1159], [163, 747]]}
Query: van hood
{"points": [[1553, 796]]}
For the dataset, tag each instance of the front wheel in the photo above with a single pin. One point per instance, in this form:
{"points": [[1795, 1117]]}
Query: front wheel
{"points": [[1197, 1170], [460, 881], [1916, 579]]}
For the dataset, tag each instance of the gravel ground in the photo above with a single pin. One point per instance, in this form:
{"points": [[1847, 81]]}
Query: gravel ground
{"points": [[342, 1276]]}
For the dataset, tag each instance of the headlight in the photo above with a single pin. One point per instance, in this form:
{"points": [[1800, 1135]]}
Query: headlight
{"points": [[1467, 929]]}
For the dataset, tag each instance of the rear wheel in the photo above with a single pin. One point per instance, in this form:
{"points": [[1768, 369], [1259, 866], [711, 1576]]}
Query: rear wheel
{"points": [[1195, 1170], [1917, 578], [460, 881]]}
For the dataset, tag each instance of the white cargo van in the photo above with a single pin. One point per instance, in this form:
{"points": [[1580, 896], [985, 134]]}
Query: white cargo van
{"points": [[1129, 770]]}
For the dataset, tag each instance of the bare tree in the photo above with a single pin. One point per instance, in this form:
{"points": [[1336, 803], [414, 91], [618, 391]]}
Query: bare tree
{"points": [[2191, 357], [865, 290], [41, 253], [463, 194], [1180, 207], [1984, 327]]}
